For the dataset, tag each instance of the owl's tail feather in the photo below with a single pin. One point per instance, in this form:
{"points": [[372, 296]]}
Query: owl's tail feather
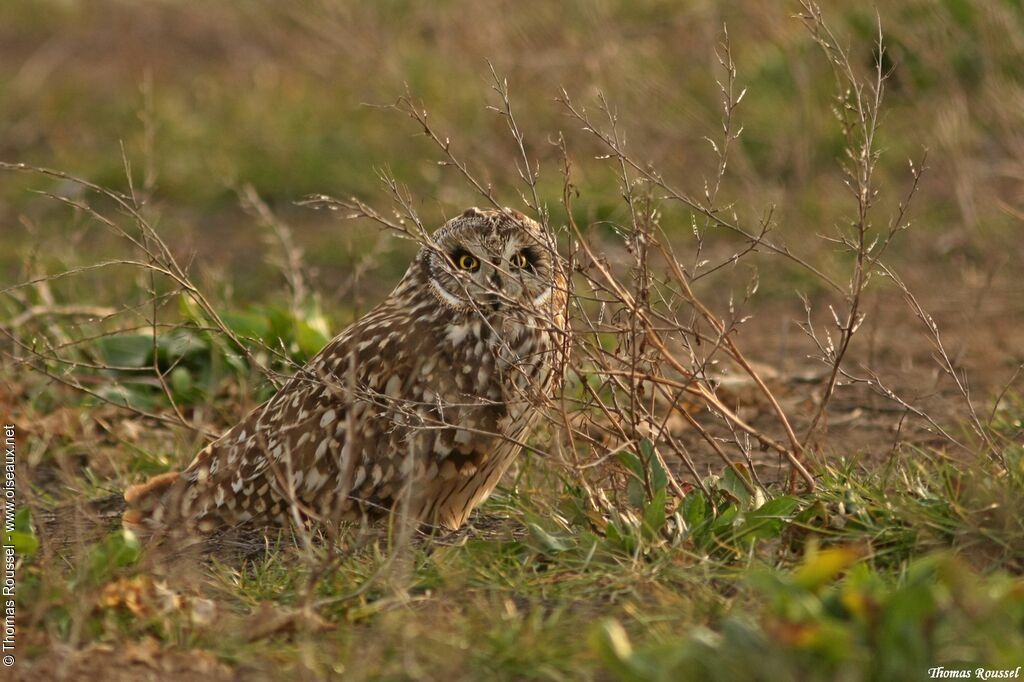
{"points": [[146, 502]]}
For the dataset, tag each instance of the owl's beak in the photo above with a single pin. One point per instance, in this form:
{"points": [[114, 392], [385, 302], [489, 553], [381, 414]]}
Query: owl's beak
{"points": [[493, 299], [493, 302]]}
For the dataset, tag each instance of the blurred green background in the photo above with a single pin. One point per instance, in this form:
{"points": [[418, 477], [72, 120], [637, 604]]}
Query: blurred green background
{"points": [[209, 97]]}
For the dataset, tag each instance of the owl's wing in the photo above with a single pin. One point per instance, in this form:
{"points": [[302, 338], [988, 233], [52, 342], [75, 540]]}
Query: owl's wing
{"points": [[344, 437], [287, 455], [284, 451]]}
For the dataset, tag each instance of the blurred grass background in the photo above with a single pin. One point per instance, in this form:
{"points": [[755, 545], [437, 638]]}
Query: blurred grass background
{"points": [[207, 98]]}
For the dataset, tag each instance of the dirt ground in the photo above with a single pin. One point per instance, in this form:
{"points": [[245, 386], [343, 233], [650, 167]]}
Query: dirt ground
{"points": [[978, 309]]}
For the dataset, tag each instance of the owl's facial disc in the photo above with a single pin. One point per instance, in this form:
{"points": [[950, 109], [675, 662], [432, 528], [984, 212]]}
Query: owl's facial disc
{"points": [[493, 262]]}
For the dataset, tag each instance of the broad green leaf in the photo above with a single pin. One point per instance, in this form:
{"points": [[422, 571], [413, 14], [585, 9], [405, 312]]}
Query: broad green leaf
{"points": [[547, 541], [117, 550], [23, 520], [247, 324], [635, 493], [126, 350], [654, 514], [180, 344], [310, 336], [631, 462], [725, 519], [732, 484], [129, 395], [659, 477], [695, 509], [181, 383], [24, 543], [769, 519]]}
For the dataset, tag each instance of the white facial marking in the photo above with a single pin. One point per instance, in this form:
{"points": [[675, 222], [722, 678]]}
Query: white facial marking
{"points": [[448, 298]]}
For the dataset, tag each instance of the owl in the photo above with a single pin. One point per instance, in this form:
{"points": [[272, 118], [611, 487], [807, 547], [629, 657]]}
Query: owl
{"points": [[417, 408]]}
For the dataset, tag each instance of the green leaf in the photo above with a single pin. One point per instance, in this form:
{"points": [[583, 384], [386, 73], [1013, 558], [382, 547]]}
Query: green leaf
{"points": [[126, 350], [732, 484], [281, 321], [622, 535], [311, 336], [645, 468], [117, 550], [725, 519], [695, 509], [783, 505], [769, 519], [181, 383], [23, 520], [635, 493], [247, 325], [189, 310], [312, 330], [549, 543], [180, 345], [654, 514], [24, 543], [659, 477], [139, 397], [22, 537], [631, 462]]}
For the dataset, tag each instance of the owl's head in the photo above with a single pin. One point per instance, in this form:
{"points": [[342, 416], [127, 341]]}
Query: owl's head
{"points": [[492, 262]]}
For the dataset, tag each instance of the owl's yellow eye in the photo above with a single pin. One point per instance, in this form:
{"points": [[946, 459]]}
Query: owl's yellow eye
{"points": [[468, 262], [519, 260]]}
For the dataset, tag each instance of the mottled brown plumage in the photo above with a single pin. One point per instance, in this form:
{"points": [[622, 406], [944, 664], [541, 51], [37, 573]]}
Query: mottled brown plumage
{"points": [[420, 406]]}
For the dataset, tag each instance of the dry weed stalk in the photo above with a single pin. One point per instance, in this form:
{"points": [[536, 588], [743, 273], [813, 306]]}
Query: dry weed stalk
{"points": [[858, 105], [670, 337]]}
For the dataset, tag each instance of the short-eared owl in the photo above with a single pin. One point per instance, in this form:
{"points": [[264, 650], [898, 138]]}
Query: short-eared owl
{"points": [[420, 406]]}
